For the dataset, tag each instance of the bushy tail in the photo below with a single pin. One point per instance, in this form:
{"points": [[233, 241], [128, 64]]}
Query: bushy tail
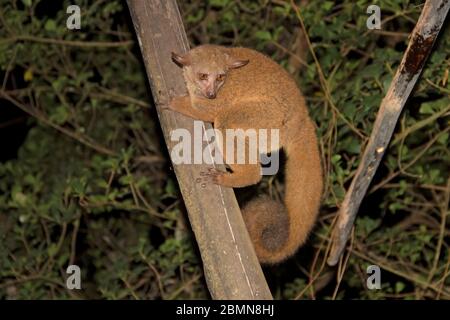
{"points": [[277, 231]]}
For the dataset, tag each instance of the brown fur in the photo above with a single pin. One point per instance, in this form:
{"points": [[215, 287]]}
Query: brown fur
{"points": [[258, 95]]}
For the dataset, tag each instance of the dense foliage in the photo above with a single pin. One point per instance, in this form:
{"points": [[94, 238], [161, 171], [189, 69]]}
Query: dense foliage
{"points": [[85, 177]]}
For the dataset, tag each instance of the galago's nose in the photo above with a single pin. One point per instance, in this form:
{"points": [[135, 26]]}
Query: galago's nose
{"points": [[211, 94]]}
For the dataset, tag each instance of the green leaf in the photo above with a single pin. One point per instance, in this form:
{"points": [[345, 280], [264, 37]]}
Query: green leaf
{"points": [[125, 180], [335, 158], [426, 108], [79, 186], [60, 115], [327, 5], [219, 3], [443, 139], [263, 35], [52, 250], [170, 188], [399, 286], [50, 25]]}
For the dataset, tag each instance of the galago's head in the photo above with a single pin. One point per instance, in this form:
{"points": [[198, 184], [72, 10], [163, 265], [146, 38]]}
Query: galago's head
{"points": [[206, 68]]}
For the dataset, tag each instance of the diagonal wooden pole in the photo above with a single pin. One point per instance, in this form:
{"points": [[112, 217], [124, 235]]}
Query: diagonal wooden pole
{"points": [[422, 40], [231, 267]]}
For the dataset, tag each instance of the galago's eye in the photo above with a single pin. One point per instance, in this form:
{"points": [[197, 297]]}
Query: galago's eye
{"points": [[221, 77], [203, 76]]}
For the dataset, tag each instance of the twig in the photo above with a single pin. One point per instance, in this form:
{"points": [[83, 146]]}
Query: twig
{"points": [[419, 154], [419, 125], [71, 43]]}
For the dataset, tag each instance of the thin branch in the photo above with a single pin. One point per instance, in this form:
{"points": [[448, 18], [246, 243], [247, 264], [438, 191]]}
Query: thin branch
{"points": [[71, 43]]}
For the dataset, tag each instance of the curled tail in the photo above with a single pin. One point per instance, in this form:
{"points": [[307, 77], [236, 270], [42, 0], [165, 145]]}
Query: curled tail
{"points": [[277, 231]]}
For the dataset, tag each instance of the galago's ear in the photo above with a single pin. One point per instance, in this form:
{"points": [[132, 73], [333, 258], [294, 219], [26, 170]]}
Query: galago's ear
{"points": [[236, 63], [181, 60]]}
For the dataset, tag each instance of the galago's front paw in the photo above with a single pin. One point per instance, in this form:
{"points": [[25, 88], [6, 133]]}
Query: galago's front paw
{"points": [[169, 101], [169, 105]]}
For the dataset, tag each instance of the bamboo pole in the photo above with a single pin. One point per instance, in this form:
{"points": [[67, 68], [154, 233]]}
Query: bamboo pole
{"points": [[231, 267]]}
